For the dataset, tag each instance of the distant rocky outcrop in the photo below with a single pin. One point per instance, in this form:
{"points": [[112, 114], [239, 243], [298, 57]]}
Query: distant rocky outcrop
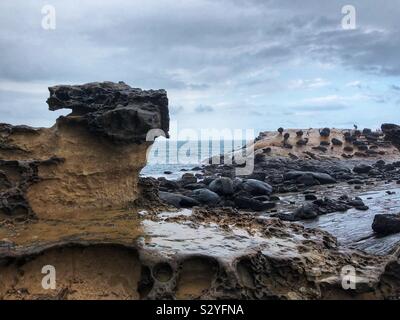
{"points": [[331, 143], [88, 159]]}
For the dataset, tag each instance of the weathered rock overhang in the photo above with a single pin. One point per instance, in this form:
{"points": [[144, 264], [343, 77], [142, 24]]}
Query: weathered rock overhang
{"points": [[89, 159]]}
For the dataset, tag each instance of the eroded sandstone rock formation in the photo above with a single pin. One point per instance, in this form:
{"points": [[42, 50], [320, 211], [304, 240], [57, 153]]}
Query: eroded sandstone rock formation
{"points": [[74, 176], [88, 159], [213, 259]]}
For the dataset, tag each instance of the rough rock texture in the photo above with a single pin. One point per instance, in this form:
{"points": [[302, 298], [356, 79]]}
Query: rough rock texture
{"points": [[335, 143], [16, 179], [115, 110], [254, 259], [109, 236], [385, 224], [88, 159]]}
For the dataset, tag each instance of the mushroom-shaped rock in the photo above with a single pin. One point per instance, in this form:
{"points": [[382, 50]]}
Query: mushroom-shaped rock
{"points": [[90, 159], [325, 132], [336, 142], [114, 110], [286, 136]]}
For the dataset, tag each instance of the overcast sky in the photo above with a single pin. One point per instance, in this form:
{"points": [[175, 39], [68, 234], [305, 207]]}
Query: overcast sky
{"points": [[225, 63]]}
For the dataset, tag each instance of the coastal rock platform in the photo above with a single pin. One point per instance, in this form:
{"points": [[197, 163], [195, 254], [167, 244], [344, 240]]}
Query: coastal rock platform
{"points": [[297, 227]]}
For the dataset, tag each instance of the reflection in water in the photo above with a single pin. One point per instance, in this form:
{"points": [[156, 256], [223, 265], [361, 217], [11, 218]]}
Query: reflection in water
{"points": [[353, 227], [188, 238]]}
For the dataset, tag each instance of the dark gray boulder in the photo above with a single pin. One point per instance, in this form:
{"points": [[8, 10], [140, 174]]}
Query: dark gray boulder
{"points": [[168, 184], [309, 197], [327, 205], [245, 202], [195, 186], [366, 131], [392, 133], [306, 211], [187, 178], [325, 132], [256, 187], [323, 178], [308, 176], [358, 204], [205, 196], [301, 142], [286, 136], [385, 224], [222, 186], [307, 179], [336, 142], [362, 168], [178, 200]]}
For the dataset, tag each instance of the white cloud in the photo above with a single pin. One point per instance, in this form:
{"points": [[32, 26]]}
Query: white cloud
{"points": [[308, 83], [24, 87], [335, 99], [355, 83]]}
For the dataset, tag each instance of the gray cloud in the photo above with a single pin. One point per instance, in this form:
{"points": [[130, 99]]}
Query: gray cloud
{"points": [[174, 110], [224, 49], [211, 40], [323, 108]]}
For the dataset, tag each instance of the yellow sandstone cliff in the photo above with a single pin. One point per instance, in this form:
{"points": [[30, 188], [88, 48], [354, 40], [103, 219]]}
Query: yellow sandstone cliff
{"points": [[89, 159]]}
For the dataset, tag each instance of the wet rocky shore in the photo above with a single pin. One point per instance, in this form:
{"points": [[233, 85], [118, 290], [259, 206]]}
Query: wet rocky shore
{"points": [[274, 176], [318, 202]]}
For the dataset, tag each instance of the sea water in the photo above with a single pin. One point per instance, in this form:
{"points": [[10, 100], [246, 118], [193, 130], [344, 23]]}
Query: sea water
{"points": [[179, 157]]}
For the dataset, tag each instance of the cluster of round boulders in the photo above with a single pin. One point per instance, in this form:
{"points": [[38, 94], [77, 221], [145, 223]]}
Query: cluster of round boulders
{"points": [[318, 207], [216, 185], [251, 194], [355, 143], [365, 143]]}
